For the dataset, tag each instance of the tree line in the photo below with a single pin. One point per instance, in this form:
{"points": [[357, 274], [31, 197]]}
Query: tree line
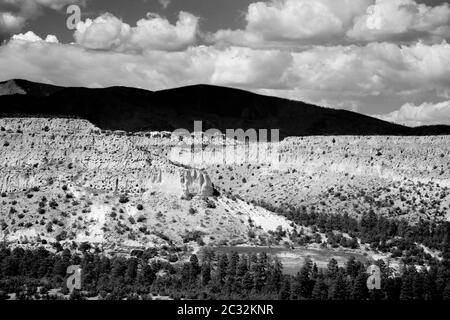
{"points": [[32, 274], [398, 237]]}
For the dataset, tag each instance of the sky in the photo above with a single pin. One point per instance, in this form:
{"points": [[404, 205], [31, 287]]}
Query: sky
{"points": [[385, 58]]}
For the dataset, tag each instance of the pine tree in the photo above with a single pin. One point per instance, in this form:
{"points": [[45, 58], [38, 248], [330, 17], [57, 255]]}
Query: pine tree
{"points": [[131, 270], [406, 291], [319, 291], [222, 268], [232, 267], [242, 268], [147, 276], [259, 277], [351, 267], [332, 268], [418, 286], [285, 290], [338, 289], [359, 289], [276, 276], [205, 274], [247, 281], [194, 267], [304, 281]]}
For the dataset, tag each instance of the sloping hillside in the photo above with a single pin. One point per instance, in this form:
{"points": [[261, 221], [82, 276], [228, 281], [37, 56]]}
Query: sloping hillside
{"points": [[130, 109]]}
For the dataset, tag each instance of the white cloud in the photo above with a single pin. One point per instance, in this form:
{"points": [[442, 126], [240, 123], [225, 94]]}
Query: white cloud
{"points": [[371, 70], [157, 55], [424, 114], [152, 69], [251, 68], [299, 23], [30, 36], [402, 20], [104, 32], [289, 22], [153, 33]]}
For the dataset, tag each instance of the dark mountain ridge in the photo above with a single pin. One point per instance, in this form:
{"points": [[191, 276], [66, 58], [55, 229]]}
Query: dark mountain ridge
{"points": [[131, 109]]}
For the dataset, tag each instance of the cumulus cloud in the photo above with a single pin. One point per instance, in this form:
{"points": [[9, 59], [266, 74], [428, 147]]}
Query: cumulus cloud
{"points": [[402, 20], [374, 69], [26, 56], [424, 114], [107, 32], [348, 72], [30, 36], [297, 23], [294, 21], [251, 69], [155, 54]]}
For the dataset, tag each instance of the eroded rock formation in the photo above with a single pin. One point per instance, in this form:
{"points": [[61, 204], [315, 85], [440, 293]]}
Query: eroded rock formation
{"points": [[37, 152]]}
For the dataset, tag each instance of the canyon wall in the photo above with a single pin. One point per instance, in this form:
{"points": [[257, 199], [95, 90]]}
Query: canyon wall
{"points": [[41, 152], [37, 152]]}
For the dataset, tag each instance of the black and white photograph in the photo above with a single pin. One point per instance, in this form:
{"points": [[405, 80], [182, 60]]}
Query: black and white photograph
{"points": [[211, 150]]}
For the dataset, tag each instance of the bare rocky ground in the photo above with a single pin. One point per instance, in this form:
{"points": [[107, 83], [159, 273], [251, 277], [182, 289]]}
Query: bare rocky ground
{"points": [[399, 177], [65, 180]]}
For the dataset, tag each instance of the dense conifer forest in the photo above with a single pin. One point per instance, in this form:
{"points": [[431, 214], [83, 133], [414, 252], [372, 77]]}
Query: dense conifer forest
{"points": [[35, 274]]}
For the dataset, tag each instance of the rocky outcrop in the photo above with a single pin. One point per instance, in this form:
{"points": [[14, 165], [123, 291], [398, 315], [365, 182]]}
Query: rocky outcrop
{"points": [[36, 152], [418, 158], [196, 182], [39, 152]]}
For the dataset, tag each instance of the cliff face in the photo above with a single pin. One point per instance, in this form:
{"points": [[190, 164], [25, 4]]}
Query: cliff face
{"points": [[297, 171], [37, 152], [40, 151], [419, 158], [66, 180], [406, 177], [71, 176]]}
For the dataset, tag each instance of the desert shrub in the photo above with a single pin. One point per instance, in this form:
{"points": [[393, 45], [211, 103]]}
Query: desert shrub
{"points": [[62, 236], [123, 199], [140, 207], [192, 236], [84, 247], [53, 204], [49, 227], [210, 204]]}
